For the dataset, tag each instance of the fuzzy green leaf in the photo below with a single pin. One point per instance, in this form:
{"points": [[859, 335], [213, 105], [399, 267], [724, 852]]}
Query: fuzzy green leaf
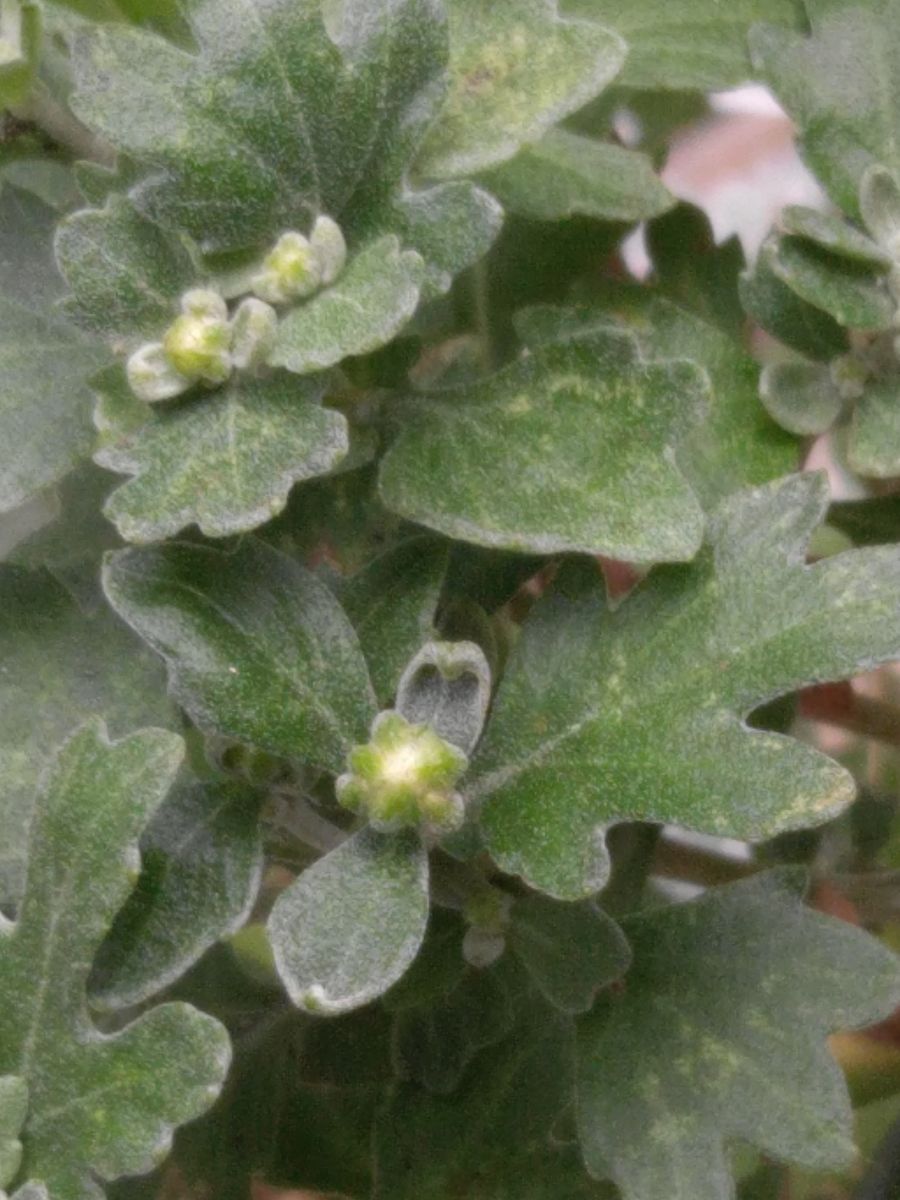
{"points": [[370, 303], [565, 174], [737, 445], [60, 666], [257, 648], [850, 292], [201, 866], [781, 312], [516, 69], [99, 1105], [13, 1110], [44, 360], [719, 1036], [392, 603], [873, 448], [353, 922], [125, 274], [801, 396], [688, 44], [639, 712], [831, 233], [570, 951], [277, 117], [225, 460], [841, 86], [568, 449]]}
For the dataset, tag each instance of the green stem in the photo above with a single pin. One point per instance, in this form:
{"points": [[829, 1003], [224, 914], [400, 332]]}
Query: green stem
{"points": [[62, 127]]}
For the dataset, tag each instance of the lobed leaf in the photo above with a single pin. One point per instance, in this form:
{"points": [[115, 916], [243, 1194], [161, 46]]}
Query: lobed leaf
{"points": [[515, 69], [719, 1036], [100, 1105], [570, 448], [60, 666], [225, 460], [639, 712]]}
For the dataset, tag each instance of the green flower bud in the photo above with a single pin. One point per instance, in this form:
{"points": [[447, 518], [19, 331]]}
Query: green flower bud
{"points": [[404, 776], [252, 332], [151, 375], [290, 270], [330, 249], [198, 343]]}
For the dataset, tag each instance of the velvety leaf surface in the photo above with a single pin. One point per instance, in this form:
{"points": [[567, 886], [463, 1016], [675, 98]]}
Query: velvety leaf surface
{"points": [[841, 87], [44, 360], [565, 174], [737, 444], [392, 604], [224, 460], [570, 448], [516, 69], [13, 1109], [60, 666], [831, 233], [370, 303], [850, 292], [353, 922], [99, 1105], [433, 1044], [257, 648], [781, 312], [639, 712], [873, 447], [126, 275], [800, 396], [570, 951], [687, 43], [719, 1035], [201, 859], [277, 118]]}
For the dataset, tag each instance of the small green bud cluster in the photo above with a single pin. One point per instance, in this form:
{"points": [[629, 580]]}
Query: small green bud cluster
{"points": [[405, 775], [487, 912], [202, 345], [205, 345], [298, 266]]}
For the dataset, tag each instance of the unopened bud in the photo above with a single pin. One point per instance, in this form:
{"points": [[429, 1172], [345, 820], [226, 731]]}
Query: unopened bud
{"points": [[330, 249], [404, 775], [151, 375], [290, 270], [252, 332], [198, 343]]}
